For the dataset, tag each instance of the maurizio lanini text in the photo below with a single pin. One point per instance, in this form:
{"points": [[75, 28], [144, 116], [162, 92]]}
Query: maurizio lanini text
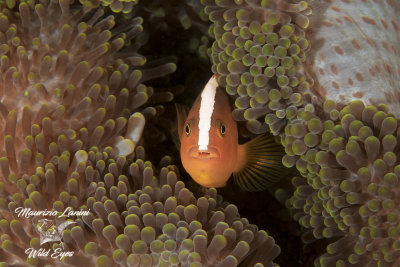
{"points": [[68, 212]]}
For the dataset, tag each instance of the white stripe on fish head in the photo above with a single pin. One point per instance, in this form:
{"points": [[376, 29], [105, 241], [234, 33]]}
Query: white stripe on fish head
{"points": [[205, 112]]}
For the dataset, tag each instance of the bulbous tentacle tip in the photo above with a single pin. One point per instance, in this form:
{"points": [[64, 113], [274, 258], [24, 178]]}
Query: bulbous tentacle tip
{"points": [[125, 146], [135, 127]]}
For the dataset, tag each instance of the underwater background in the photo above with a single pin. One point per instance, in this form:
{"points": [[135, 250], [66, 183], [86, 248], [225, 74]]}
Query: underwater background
{"points": [[87, 121]]}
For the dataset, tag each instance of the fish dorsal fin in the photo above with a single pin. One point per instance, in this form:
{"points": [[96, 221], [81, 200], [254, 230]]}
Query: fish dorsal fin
{"points": [[261, 163], [181, 113]]}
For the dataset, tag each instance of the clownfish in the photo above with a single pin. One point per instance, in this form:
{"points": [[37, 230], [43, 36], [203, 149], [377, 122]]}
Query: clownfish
{"points": [[209, 147]]}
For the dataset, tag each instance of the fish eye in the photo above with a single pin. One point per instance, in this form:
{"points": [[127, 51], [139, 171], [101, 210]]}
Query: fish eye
{"points": [[187, 129], [222, 129]]}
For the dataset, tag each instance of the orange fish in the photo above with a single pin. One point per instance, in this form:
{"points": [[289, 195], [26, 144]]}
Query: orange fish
{"points": [[210, 151]]}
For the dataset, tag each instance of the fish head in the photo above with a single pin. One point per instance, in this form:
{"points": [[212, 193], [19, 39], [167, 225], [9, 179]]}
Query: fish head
{"points": [[209, 155]]}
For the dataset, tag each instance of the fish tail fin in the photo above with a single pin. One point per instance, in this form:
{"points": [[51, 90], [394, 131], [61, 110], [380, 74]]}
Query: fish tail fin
{"points": [[262, 163]]}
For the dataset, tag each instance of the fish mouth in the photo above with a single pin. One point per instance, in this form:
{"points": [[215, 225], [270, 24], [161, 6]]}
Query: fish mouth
{"points": [[210, 153]]}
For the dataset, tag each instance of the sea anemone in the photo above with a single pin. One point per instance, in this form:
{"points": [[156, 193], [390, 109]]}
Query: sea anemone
{"points": [[135, 218], [355, 52], [69, 87], [351, 187], [75, 116], [259, 53], [124, 6], [67, 82], [349, 153], [339, 125]]}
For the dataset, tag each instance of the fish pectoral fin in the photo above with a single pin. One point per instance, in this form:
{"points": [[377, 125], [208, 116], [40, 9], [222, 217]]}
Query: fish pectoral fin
{"points": [[262, 163], [181, 114]]}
